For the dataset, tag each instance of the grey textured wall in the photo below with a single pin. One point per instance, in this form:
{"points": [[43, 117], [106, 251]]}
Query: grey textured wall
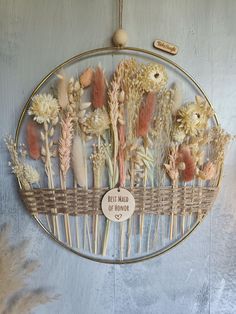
{"points": [[199, 276]]}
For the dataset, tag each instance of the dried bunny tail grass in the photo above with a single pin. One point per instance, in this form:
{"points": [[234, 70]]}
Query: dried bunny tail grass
{"points": [[64, 148], [86, 78], [62, 90], [79, 161], [28, 301], [99, 88], [33, 139], [146, 114]]}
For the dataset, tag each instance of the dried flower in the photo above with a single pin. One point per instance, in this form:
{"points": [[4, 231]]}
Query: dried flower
{"points": [[154, 77], [178, 135], [193, 117], [44, 108], [219, 142], [96, 122], [208, 172], [172, 166], [98, 156], [25, 173], [86, 78], [31, 174], [185, 156], [180, 161]]}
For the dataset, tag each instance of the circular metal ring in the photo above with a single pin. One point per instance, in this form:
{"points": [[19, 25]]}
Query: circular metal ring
{"points": [[96, 52]]}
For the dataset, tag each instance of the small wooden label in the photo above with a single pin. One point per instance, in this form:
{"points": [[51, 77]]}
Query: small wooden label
{"points": [[165, 46], [118, 204]]}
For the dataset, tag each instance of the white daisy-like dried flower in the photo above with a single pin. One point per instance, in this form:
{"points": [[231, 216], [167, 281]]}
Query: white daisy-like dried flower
{"points": [[96, 122], [154, 77], [188, 119], [193, 117], [44, 108]]}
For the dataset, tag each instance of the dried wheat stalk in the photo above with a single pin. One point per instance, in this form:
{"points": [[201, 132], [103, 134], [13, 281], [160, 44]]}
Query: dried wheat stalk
{"points": [[113, 106], [64, 151], [79, 166], [47, 153]]}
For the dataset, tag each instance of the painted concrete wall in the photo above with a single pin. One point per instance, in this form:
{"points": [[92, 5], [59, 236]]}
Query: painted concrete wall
{"points": [[199, 276]]}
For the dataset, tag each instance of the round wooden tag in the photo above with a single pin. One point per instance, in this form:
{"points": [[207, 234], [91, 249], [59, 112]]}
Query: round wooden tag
{"points": [[118, 204]]}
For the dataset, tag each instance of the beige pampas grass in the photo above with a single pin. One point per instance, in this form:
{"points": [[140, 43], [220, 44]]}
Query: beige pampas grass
{"points": [[29, 301], [79, 161], [15, 298], [62, 90]]}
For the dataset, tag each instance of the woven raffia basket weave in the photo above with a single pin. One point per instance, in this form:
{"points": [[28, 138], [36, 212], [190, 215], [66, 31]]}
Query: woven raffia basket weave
{"points": [[161, 201]]}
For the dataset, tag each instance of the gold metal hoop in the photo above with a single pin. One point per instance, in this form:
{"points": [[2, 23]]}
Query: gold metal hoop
{"points": [[96, 52]]}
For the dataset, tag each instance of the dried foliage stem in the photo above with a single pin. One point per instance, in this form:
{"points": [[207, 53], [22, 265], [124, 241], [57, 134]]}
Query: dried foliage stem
{"points": [[48, 169], [113, 105], [98, 159], [121, 159]]}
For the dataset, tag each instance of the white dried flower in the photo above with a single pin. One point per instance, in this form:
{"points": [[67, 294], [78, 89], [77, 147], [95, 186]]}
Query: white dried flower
{"points": [[31, 174], [44, 108], [96, 122], [178, 135]]}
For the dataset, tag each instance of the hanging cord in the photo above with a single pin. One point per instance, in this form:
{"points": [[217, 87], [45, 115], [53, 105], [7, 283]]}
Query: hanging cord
{"points": [[120, 14], [120, 37]]}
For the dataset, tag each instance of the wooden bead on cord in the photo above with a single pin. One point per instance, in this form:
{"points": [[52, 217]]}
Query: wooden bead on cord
{"points": [[120, 38]]}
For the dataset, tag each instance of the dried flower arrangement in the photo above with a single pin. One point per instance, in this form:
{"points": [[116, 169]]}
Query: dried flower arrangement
{"points": [[14, 271], [144, 138]]}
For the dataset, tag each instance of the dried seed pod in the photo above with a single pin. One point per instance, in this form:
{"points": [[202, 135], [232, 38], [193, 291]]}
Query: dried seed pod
{"points": [[86, 78]]}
